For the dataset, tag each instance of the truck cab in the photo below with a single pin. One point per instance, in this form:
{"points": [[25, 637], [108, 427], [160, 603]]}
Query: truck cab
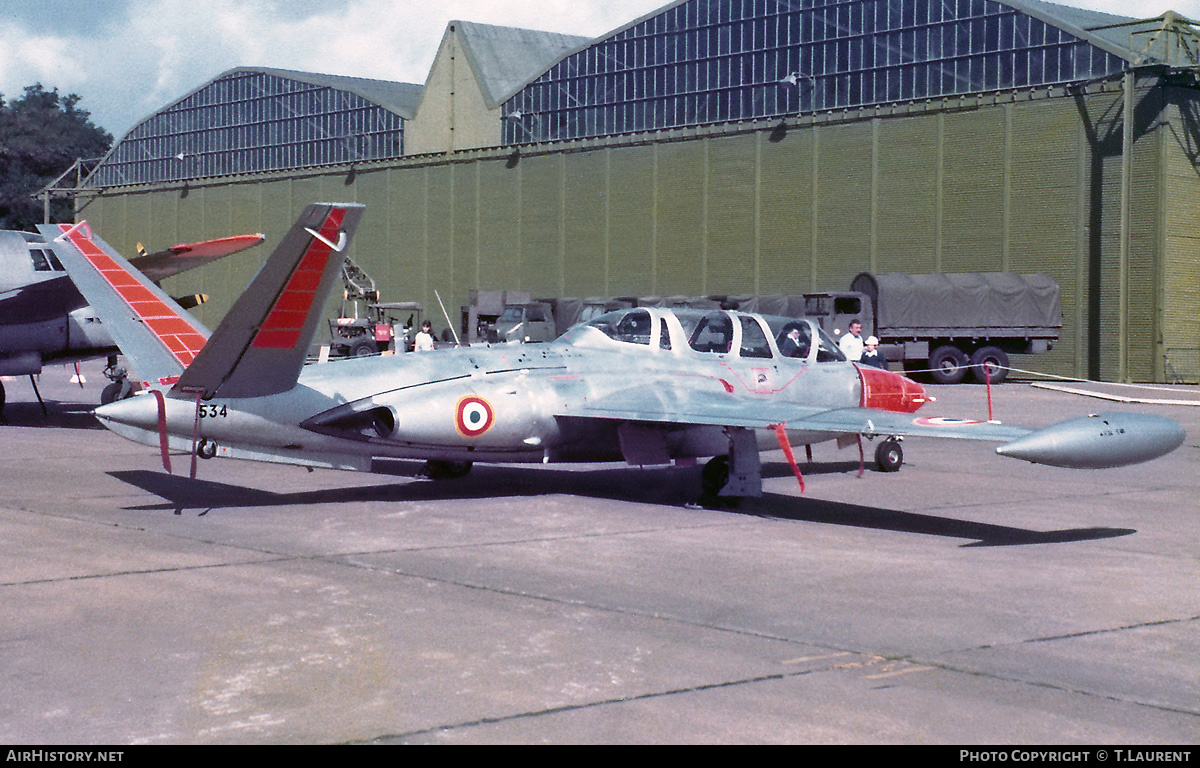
{"points": [[529, 322], [833, 312]]}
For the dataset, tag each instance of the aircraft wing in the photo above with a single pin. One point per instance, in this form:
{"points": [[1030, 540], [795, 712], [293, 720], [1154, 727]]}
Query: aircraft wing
{"points": [[1089, 442], [701, 408], [180, 258]]}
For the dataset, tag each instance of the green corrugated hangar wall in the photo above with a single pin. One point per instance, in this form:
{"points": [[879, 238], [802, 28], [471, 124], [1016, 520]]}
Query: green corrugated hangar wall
{"points": [[1029, 183]]}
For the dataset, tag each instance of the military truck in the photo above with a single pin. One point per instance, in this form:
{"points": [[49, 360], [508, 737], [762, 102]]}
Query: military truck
{"points": [[948, 324], [512, 316]]}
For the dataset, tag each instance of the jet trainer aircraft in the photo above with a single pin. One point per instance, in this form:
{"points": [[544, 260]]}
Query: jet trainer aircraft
{"points": [[644, 385], [43, 317]]}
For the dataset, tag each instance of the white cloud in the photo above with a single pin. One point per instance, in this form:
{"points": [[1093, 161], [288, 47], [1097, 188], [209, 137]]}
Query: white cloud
{"points": [[27, 58]]}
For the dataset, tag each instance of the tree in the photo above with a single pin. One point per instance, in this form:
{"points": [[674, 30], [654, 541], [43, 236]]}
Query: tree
{"points": [[41, 135]]}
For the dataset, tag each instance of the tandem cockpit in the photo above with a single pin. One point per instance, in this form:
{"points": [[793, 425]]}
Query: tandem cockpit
{"points": [[708, 332]]}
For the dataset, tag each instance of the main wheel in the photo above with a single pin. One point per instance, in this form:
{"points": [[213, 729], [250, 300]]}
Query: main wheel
{"points": [[206, 449], [446, 470], [889, 455], [996, 361], [715, 475], [949, 364]]}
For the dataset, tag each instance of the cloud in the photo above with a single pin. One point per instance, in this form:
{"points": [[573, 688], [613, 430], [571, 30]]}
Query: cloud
{"points": [[134, 56]]}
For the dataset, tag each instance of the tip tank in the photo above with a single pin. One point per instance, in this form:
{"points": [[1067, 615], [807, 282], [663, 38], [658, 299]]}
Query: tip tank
{"points": [[1098, 441]]}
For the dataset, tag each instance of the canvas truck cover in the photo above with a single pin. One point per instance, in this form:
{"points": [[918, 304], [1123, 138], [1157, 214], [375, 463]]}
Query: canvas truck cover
{"points": [[993, 303]]}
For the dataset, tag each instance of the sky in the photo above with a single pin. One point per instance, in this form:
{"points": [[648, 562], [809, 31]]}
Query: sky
{"points": [[128, 58]]}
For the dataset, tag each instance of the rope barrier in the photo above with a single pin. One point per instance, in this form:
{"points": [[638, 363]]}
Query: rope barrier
{"points": [[1178, 389], [1076, 379]]}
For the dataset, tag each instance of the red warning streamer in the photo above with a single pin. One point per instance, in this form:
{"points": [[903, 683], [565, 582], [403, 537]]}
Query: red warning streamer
{"points": [[781, 435]]}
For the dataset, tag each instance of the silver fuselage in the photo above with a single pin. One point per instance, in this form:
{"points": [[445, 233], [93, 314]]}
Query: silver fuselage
{"points": [[508, 403]]}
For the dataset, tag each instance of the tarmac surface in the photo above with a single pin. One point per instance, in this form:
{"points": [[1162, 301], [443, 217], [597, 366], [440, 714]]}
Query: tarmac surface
{"points": [[967, 598]]}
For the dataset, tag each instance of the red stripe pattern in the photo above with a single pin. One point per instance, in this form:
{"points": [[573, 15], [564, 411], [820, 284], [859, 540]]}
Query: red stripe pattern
{"points": [[285, 322], [183, 341]]}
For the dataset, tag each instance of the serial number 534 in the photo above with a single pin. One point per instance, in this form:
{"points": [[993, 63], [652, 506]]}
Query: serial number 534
{"points": [[213, 411]]}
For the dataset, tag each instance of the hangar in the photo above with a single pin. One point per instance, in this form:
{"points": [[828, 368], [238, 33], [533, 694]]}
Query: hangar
{"points": [[725, 146]]}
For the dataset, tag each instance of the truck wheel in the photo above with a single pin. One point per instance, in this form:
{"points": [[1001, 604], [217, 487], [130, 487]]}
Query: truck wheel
{"points": [[889, 455], [949, 364], [996, 360], [363, 348]]}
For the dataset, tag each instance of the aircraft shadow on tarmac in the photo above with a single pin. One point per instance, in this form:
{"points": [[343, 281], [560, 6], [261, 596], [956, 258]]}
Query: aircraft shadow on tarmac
{"points": [[58, 415], [670, 486]]}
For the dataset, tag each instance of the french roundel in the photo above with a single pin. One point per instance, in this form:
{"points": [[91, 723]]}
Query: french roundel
{"points": [[473, 416]]}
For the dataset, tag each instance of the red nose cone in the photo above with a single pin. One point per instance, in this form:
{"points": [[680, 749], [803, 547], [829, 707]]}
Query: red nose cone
{"points": [[889, 391]]}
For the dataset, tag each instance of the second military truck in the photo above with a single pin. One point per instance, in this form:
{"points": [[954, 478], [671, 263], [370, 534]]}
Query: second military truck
{"points": [[948, 324]]}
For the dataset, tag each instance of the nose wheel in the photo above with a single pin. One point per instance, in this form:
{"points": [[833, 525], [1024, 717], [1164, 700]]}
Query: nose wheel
{"points": [[889, 456]]}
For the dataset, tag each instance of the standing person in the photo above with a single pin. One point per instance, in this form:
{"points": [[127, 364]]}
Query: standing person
{"points": [[423, 341], [852, 343], [872, 356]]}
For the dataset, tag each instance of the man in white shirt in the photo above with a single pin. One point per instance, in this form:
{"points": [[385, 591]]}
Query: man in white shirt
{"points": [[852, 343]]}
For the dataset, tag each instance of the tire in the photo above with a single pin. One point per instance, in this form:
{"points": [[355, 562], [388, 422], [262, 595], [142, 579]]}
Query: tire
{"points": [[994, 357], [949, 364], [206, 449], [111, 393], [714, 476], [446, 470], [363, 348], [889, 456], [1, 398]]}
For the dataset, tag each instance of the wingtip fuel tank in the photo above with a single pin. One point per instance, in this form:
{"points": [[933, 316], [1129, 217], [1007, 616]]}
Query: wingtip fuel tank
{"points": [[1098, 441]]}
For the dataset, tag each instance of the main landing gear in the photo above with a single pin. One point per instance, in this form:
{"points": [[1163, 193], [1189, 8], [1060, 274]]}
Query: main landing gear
{"points": [[120, 386], [726, 480]]}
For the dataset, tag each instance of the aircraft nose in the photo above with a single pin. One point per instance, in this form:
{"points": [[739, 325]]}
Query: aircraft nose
{"points": [[890, 391], [134, 412]]}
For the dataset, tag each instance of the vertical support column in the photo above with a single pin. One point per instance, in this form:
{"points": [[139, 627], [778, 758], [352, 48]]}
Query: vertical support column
{"points": [[874, 195], [1123, 263], [816, 218]]}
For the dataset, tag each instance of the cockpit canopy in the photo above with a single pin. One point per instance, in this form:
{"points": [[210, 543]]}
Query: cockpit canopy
{"points": [[709, 332]]}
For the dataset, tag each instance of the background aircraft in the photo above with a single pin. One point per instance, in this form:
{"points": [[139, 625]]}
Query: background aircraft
{"points": [[647, 386], [43, 317]]}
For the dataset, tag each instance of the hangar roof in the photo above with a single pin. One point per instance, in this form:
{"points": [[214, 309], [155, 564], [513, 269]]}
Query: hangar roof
{"points": [[505, 58], [251, 119]]}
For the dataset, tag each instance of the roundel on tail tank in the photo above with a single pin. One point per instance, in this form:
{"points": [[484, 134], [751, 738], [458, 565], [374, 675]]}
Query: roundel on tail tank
{"points": [[473, 416]]}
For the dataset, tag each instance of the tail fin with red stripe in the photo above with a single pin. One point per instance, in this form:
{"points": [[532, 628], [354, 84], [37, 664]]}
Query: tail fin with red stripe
{"points": [[156, 334], [261, 345]]}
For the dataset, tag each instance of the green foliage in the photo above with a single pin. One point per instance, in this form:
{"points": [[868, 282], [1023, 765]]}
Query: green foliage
{"points": [[41, 135]]}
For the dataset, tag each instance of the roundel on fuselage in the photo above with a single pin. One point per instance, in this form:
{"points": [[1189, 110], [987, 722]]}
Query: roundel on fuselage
{"points": [[473, 416]]}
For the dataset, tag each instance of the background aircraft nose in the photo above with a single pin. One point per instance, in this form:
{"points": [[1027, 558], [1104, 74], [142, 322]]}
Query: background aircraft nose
{"points": [[890, 391]]}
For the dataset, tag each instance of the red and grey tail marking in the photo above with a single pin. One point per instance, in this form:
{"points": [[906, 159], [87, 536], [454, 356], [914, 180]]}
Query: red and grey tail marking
{"points": [[262, 343], [158, 337]]}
